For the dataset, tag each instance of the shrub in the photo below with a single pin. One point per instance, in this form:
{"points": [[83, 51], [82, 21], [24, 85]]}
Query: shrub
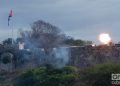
{"points": [[99, 75], [6, 58], [48, 77]]}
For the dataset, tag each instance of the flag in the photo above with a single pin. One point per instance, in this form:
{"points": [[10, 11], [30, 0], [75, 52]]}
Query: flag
{"points": [[10, 15]]}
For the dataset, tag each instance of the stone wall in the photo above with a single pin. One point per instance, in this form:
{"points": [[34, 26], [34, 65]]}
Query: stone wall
{"points": [[78, 56], [86, 56]]}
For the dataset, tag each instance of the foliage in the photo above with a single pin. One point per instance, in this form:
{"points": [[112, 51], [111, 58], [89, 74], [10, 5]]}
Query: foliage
{"points": [[48, 77], [6, 58], [99, 75], [43, 35], [8, 41], [77, 42]]}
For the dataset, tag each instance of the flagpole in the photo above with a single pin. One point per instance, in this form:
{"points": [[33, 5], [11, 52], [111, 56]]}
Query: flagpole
{"points": [[12, 27], [10, 24], [12, 32]]}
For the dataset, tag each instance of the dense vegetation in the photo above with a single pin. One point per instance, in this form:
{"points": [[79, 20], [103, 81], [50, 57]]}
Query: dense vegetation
{"points": [[98, 75], [48, 76], [77, 42]]}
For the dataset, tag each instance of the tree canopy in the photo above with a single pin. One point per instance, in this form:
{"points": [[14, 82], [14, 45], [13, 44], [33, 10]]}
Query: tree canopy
{"points": [[44, 35], [77, 42]]}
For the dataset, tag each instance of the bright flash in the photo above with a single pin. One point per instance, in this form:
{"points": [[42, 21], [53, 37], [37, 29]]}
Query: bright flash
{"points": [[105, 38]]}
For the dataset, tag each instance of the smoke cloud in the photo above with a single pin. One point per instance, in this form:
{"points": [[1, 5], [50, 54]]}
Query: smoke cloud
{"points": [[57, 57]]}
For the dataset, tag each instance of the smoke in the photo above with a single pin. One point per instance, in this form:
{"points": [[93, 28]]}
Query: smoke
{"points": [[45, 41], [61, 56], [57, 57]]}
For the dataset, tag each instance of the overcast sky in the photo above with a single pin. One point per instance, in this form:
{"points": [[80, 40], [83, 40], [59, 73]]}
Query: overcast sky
{"points": [[83, 19]]}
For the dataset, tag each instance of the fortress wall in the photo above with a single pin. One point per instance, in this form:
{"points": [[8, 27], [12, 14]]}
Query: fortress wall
{"points": [[86, 56]]}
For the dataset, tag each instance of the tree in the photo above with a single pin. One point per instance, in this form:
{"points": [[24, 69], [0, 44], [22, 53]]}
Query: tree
{"points": [[8, 41], [77, 42], [6, 58], [43, 35]]}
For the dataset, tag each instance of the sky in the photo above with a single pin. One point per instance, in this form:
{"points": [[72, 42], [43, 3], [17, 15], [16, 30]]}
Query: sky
{"points": [[80, 19]]}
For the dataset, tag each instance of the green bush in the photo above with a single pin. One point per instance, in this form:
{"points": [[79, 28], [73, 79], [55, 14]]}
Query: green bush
{"points": [[6, 58], [99, 75], [48, 77]]}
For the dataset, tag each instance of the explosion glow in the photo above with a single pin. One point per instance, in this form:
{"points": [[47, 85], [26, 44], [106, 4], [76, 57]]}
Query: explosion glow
{"points": [[105, 38]]}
